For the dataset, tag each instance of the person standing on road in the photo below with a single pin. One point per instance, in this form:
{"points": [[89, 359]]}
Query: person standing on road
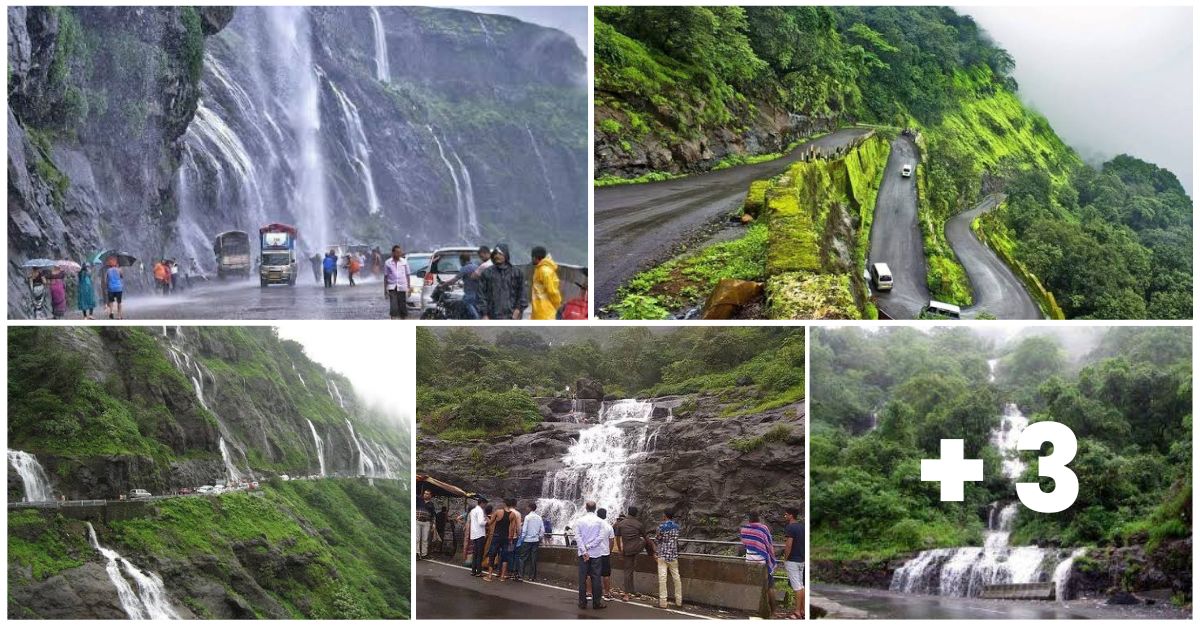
{"points": [[175, 286], [760, 548], [531, 532], [114, 281], [666, 542], [606, 555], [793, 557], [329, 265], [502, 288], [352, 266], [514, 539], [86, 297], [477, 532], [425, 516], [590, 540], [631, 539], [546, 297], [395, 284]]}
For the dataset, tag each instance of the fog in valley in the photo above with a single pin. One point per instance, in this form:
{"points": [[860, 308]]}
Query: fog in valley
{"points": [[1111, 79]]}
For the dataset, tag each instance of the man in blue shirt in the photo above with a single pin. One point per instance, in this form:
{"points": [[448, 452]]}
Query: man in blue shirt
{"points": [[470, 279], [591, 543]]}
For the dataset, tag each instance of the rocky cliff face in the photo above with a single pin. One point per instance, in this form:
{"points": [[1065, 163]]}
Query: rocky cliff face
{"points": [[710, 463], [770, 130], [170, 398], [399, 124]]}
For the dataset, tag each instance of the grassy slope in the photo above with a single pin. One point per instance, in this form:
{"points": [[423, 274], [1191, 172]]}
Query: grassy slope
{"points": [[352, 538]]}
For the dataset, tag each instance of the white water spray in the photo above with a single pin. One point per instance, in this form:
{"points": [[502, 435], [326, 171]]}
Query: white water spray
{"points": [[366, 466], [33, 476], [542, 162], [382, 72], [360, 148], [150, 601], [464, 194], [319, 444], [599, 465]]}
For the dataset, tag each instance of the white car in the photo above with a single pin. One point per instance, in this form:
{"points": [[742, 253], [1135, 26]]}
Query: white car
{"points": [[139, 493], [906, 170], [881, 276], [417, 262], [204, 490]]}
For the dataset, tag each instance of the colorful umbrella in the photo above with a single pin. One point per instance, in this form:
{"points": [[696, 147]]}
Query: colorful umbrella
{"points": [[123, 258]]}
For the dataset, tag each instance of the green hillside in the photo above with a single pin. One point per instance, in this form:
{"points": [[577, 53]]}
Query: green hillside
{"points": [[1107, 242]]}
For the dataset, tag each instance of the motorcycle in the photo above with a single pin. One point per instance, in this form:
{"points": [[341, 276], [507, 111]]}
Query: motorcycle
{"points": [[444, 306]]}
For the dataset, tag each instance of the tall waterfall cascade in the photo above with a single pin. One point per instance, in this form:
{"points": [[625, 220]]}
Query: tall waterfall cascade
{"points": [[599, 466], [965, 571]]}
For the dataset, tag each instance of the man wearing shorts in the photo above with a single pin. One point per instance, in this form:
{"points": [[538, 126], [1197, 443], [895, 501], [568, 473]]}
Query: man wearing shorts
{"points": [[116, 288], [606, 556], [793, 557]]}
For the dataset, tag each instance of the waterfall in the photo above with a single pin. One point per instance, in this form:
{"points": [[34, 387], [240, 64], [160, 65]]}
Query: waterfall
{"points": [[150, 601], [599, 465], [331, 386], [382, 72], [319, 444], [298, 375], [33, 476], [366, 466], [193, 368], [1012, 423], [992, 369], [965, 571], [464, 194], [301, 101], [1062, 575], [361, 156], [487, 35], [542, 162], [231, 471]]}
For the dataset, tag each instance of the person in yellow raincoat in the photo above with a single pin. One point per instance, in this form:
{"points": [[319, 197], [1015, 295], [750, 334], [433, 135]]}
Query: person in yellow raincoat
{"points": [[546, 297]]}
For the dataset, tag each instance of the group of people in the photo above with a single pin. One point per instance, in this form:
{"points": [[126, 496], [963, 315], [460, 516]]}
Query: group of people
{"points": [[494, 289], [368, 263], [167, 277], [501, 541], [52, 282]]}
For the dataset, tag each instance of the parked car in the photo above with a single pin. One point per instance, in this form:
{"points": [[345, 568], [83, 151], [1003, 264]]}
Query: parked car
{"points": [[185, 491], [139, 493], [881, 276], [417, 262], [937, 309], [443, 266], [906, 170]]}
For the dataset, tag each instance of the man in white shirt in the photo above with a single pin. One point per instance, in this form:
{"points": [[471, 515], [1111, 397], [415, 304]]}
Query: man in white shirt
{"points": [[395, 283], [477, 523], [592, 543], [531, 539]]}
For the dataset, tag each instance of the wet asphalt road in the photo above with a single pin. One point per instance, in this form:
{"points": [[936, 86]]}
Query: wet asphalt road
{"points": [[245, 300], [881, 604], [449, 592], [997, 290], [638, 225], [896, 235]]}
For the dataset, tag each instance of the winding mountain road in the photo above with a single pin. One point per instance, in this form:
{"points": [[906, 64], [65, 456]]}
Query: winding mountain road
{"points": [[896, 235], [639, 225], [896, 241], [997, 290]]}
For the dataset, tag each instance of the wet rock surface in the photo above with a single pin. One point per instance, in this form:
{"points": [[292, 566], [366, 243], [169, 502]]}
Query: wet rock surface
{"points": [[695, 466]]}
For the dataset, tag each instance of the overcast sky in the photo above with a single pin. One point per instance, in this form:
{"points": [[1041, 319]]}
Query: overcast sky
{"points": [[571, 20], [1110, 79], [377, 357]]}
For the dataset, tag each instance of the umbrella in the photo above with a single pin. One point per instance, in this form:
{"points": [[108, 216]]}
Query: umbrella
{"points": [[68, 265], [39, 263], [123, 258]]}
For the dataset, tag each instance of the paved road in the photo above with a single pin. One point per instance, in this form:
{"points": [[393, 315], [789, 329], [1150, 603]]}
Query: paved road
{"points": [[881, 604], [997, 290], [246, 300], [896, 235], [450, 592], [637, 225]]}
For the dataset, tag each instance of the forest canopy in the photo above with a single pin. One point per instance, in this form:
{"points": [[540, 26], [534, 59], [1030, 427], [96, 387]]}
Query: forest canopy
{"points": [[472, 386]]}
